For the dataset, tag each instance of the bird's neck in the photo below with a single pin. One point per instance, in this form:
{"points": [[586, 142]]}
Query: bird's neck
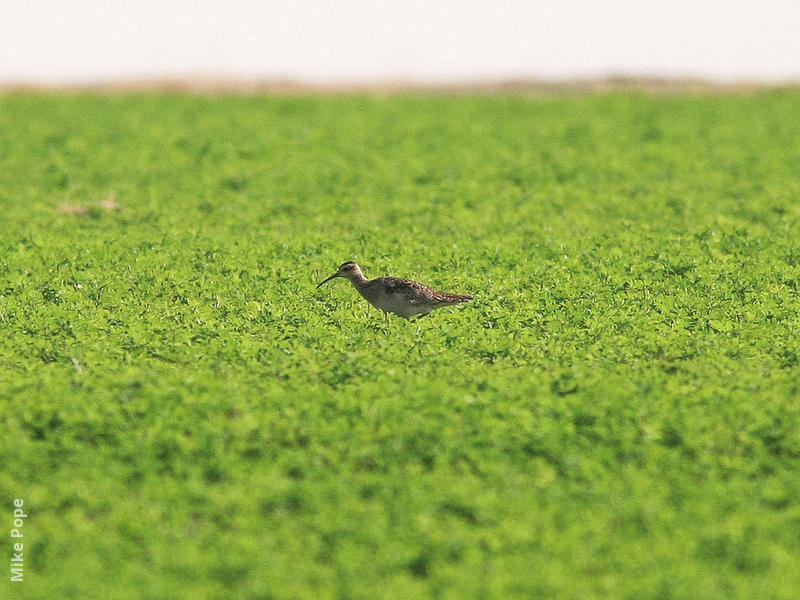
{"points": [[358, 279]]}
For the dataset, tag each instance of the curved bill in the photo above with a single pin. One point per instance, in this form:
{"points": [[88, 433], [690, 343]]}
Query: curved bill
{"points": [[328, 279]]}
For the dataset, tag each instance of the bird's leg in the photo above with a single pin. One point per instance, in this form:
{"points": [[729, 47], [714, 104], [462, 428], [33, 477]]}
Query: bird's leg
{"points": [[384, 326]]}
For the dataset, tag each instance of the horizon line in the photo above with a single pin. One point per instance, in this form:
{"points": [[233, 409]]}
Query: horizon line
{"points": [[289, 86]]}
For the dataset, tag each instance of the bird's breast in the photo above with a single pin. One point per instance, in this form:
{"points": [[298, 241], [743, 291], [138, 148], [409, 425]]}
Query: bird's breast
{"points": [[395, 303]]}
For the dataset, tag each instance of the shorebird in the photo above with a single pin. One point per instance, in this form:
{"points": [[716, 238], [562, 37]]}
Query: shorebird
{"points": [[402, 297]]}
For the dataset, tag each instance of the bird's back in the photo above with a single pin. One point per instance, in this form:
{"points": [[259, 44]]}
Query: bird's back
{"points": [[406, 297]]}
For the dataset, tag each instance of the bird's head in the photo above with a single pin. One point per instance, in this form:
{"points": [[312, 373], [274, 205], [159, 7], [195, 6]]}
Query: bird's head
{"points": [[348, 270]]}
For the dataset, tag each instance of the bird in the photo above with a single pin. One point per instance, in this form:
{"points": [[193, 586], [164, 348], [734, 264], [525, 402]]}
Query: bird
{"points": [[402, 297]]}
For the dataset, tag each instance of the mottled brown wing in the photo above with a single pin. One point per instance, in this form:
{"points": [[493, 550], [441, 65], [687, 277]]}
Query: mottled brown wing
{"points": [[417, 293]]}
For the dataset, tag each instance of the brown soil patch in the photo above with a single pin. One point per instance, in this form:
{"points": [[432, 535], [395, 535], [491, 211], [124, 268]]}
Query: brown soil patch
{"points": [[75, 208]]}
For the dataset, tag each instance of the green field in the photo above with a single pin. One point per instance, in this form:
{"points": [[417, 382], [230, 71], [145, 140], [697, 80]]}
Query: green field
{"points": [[615, 415]]}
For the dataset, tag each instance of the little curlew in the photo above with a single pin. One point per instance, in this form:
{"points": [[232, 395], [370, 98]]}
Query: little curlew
{"points": [[402, 297]]}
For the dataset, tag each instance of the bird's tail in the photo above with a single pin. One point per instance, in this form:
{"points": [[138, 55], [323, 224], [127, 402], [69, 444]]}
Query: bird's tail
{"points": [[457, 298]]}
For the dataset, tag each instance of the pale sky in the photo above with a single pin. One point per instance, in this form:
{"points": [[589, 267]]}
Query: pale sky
{"points": [[63, 41]]}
